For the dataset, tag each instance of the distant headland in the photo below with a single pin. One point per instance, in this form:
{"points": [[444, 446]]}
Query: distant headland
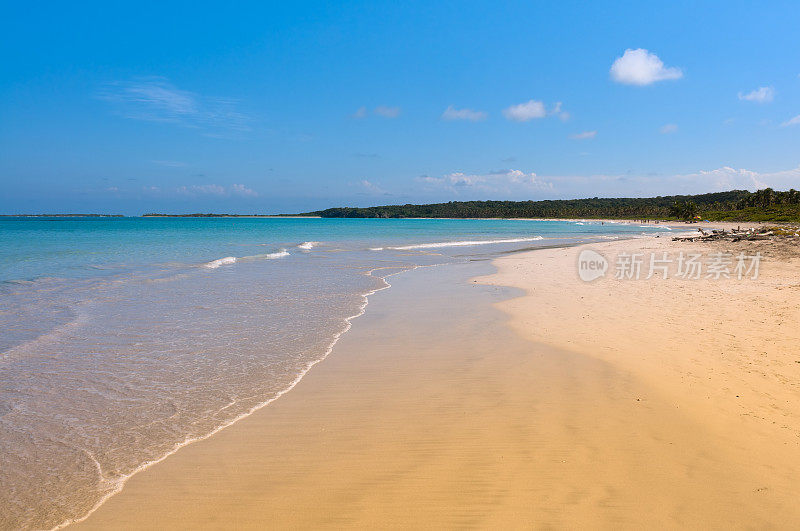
{"points": [[61, 216], [735, 205]]}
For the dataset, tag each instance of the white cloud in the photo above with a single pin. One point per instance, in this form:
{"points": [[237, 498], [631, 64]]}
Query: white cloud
{"points": [[534, 109], [387, 112], [759, 95], [451, 113], [361, 112], [369, 188], [792, 121], [563, 115], [155, 99], [525, 111], [648, 185], [668, 129], [728, 178], [517, 176], [516, 184], [584, 135], [162, 96], [640, 67], [498, 181]]}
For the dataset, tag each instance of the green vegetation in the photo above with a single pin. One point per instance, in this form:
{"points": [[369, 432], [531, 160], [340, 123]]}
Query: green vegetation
{"points": [[683, 210], [763, 205], [736, 205], [784, 213]]}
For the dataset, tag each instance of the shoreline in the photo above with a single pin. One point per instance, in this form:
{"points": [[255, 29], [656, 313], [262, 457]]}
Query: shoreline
{"points": [[248, 482], [120, 483], [129, 501]]}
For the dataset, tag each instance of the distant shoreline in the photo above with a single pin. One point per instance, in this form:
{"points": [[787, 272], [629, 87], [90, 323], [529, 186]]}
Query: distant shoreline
{"points": [[765, 205], [62, 216], [295, 216], [666, 222], [153, 216], [291, 216]]}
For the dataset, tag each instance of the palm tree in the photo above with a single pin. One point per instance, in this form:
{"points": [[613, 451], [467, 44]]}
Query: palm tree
{"points": [[684, 209]]}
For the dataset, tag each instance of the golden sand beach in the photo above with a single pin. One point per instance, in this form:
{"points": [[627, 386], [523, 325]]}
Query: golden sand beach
{"points": [[521, 398]]}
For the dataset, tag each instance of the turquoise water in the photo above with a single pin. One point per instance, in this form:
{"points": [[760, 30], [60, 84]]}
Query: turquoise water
{"points": [[125, 338], [81, 247]]}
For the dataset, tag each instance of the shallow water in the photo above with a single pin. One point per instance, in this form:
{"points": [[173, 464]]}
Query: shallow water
{"points": [[124, 339]]}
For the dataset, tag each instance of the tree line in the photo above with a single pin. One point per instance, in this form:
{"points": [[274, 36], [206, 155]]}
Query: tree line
{"points": [[768, 204]]}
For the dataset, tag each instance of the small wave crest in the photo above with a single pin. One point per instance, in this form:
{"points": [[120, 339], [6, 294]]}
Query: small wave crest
{"points": [[213, 264], [270, 256], [461, 243], [228, 260], [307, 245]]}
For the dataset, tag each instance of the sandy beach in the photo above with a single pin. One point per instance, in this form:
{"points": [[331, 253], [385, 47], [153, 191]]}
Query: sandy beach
{"points": [[513, 394], [400, 265]]}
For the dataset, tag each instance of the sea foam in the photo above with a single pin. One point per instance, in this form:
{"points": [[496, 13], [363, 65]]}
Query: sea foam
{"points": [[213, 264], [461, 243], [232, 259], [272, 256]]}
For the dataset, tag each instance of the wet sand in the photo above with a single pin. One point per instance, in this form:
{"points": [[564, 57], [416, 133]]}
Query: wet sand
{"points": [[722, 354], [431, 412]]}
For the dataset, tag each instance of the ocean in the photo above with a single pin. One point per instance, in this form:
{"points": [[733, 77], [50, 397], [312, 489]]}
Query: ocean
{"points": [[124, 339]]}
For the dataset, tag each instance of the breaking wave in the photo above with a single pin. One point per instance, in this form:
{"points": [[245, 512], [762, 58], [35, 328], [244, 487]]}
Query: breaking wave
{"points": [[213, 264], [228, 260], [462, 243]]}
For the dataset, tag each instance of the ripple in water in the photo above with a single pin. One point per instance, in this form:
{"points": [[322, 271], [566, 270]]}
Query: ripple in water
{"points": [[132, 369]]}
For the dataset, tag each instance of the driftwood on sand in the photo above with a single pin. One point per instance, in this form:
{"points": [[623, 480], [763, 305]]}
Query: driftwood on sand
{"points": [[735, 235]]}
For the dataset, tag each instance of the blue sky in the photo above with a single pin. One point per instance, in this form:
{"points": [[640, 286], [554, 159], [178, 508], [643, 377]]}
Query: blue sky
{"points": [[284, 107]]}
